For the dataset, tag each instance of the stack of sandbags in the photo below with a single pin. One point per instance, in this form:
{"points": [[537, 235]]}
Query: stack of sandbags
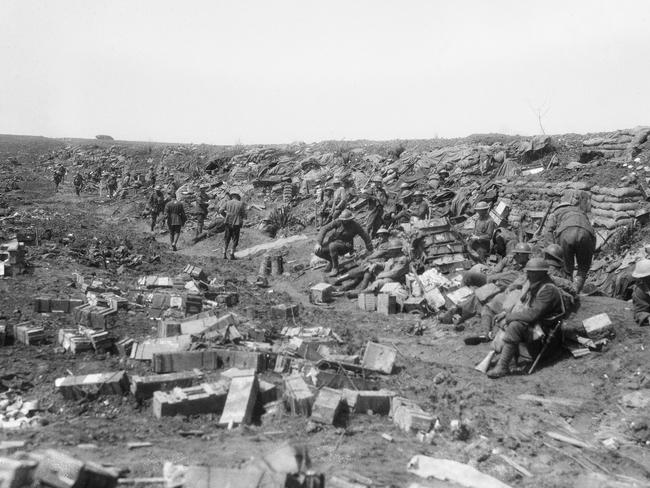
{"points": [[613, 207], [534, 196], [617, 144]]}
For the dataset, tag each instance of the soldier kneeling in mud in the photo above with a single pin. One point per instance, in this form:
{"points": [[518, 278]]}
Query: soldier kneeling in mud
{"points": [[530, 320]]}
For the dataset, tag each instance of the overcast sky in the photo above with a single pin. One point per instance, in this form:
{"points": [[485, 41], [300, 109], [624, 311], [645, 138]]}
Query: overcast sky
{"points": [[273, 71]]}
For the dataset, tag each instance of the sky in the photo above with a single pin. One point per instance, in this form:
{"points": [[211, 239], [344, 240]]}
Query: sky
{"points": [[280, 71]]}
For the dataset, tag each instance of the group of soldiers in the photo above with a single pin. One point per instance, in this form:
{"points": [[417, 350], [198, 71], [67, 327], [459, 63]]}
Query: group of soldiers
{"points": [[539, 280], [166, 203]]}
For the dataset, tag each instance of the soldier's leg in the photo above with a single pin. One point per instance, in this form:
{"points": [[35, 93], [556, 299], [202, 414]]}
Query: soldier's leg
{"points": [[584, 255], [567, 241], [515, 333], [235, 240], [227, 236]]}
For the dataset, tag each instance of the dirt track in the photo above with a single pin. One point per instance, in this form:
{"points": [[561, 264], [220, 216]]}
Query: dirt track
{"points": [[436, 369]]}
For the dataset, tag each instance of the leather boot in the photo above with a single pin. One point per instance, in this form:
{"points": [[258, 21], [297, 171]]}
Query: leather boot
{"points": [[503, 366], [335, 265], [579, 283]]}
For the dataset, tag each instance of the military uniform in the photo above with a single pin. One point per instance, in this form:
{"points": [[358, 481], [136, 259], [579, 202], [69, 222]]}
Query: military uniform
{"points": [[337, 238], [569, 226]]}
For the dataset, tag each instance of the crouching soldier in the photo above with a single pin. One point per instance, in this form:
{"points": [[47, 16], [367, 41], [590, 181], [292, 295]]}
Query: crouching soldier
{"points": [[641, 292], [541, 305], [337, 239]]}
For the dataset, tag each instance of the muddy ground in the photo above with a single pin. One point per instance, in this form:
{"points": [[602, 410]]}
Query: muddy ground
{"points": [[434, 368]]}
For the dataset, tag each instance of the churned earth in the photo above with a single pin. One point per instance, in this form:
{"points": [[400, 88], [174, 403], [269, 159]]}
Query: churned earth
{"points": [[435, 368]]}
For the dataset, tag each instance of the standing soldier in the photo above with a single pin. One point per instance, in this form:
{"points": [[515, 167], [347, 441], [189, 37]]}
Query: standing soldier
{"points": [[111, 185], [58, 176], [325, 210], [156, 205], [342, 196], [235, 212], [176, 218], [78, 182], [569, 226], [200, 209], [151, 176]]}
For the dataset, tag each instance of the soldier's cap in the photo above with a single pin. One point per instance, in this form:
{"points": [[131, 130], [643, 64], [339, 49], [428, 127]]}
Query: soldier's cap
{"points": [[537, 264], [346, 215], [641, 269], [481, 206]]}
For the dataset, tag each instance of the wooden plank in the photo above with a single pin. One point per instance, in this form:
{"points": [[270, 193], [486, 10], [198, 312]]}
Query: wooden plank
{"points": [[240, 401], [550, 400], [569, 440]]}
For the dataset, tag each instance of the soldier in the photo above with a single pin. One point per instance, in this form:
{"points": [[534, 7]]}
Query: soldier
{"points": [[419, 207], [641, 292], [377, 200], [484, 228], [569, 226], [78, 182], [342, 196], [176, 218], [402, 214], [541, 305], [234, 212], [58, 177], [393, 270], [111, 185], [156, 205], [200, 209], [150, 177], [337, 238], [325, 210]]}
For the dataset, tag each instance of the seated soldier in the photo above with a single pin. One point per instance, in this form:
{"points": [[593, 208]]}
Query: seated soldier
{"points": [[541, 305], [481, 240], [393, 270], [554, 256], [504, 272], [355, 275], [337, 239], [641, 292], [419, 207]]}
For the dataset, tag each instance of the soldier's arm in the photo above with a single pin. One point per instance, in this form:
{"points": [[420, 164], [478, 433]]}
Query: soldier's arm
{"points": [[324, 230], [542, 303]]}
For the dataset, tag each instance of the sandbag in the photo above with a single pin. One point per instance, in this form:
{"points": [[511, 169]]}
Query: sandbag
{"points": [[617, 192], [610, 224], [618, 207], [613, 214], [610, 199]]}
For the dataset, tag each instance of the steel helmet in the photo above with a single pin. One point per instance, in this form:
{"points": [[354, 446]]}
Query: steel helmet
{"points": [[481, 206], [522, 248], [395, 244], [418, 193], [554, 251], [346, 215], [406, 194], [641, 269], [383, 230], [537, 264]]}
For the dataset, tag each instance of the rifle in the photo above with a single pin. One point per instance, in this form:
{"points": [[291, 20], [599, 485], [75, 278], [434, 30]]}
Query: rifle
{"points": [[547, 341], [543, 221]]}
